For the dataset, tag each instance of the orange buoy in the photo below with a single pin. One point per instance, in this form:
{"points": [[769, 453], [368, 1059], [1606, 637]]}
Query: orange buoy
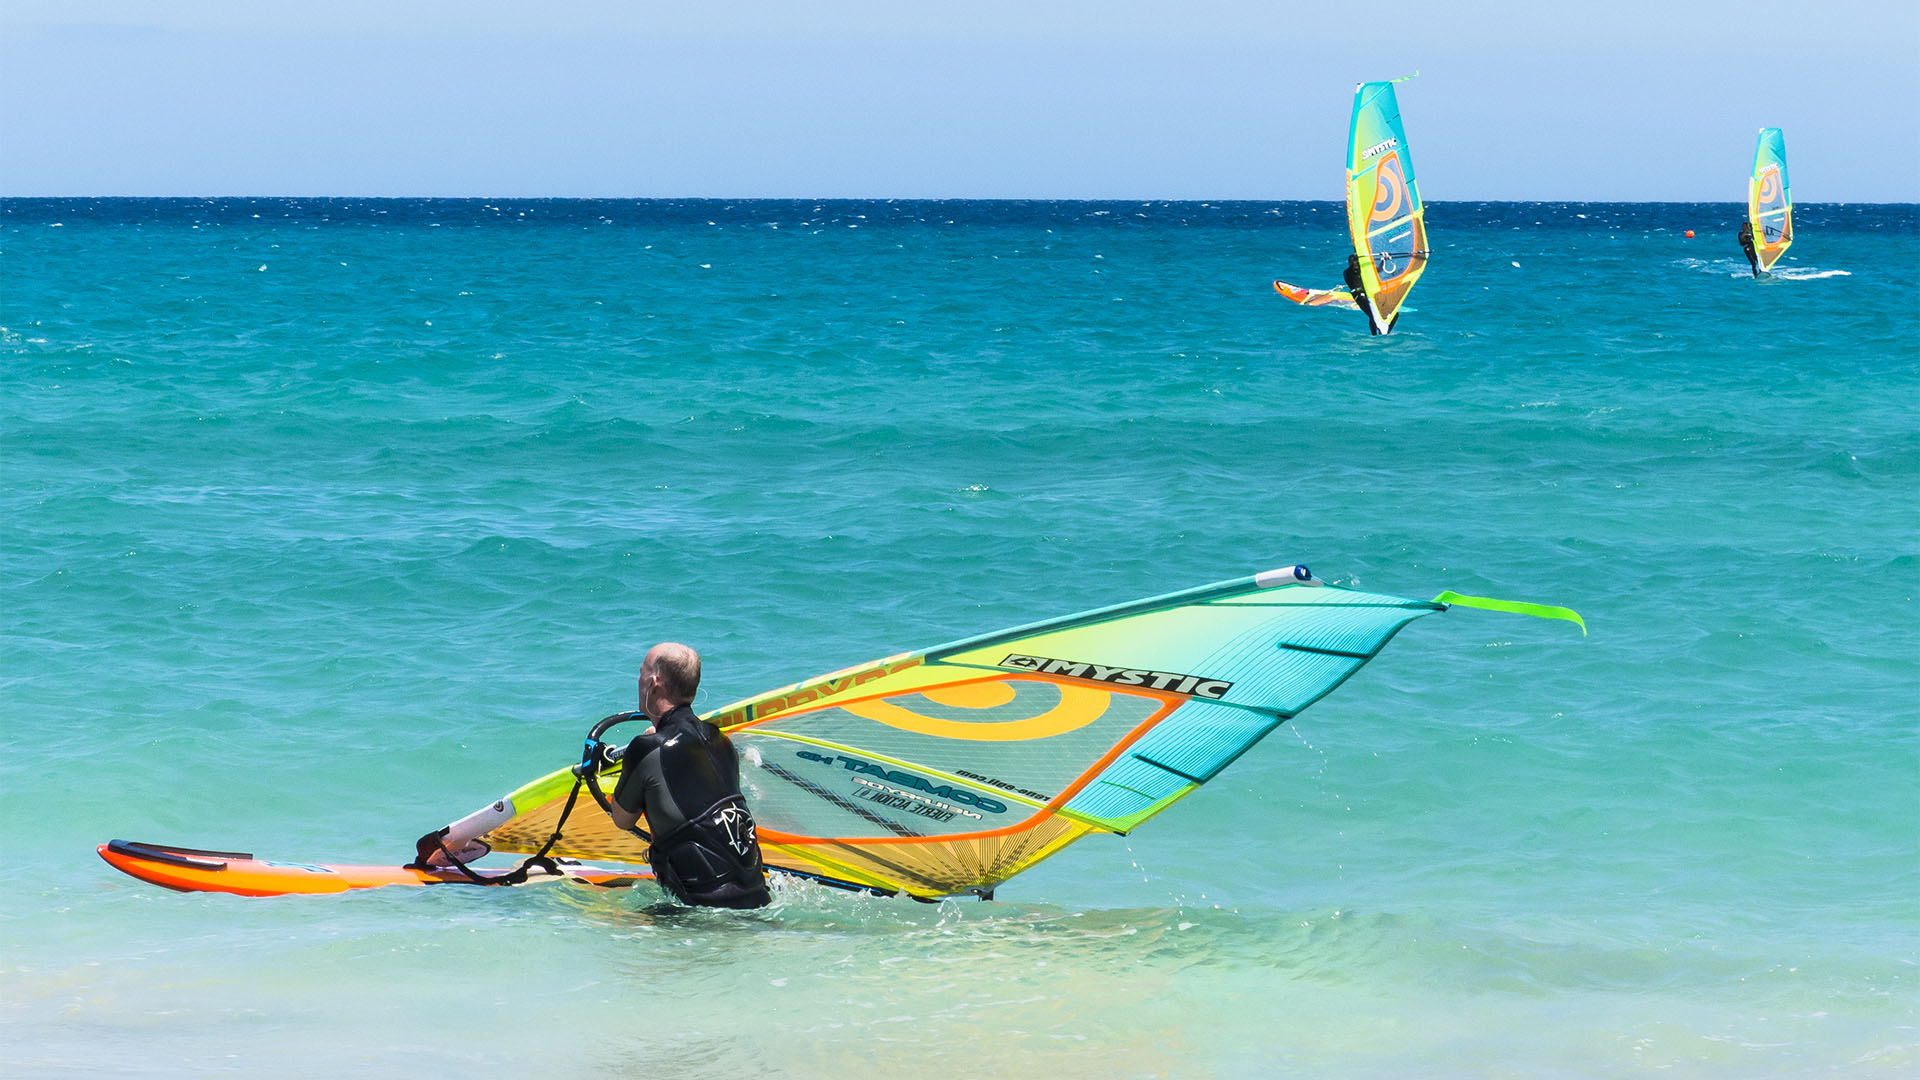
{"points": [[1689, 234]]}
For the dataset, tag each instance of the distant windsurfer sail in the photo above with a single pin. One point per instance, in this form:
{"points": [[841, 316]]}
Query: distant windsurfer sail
{"points": [[1768, 231], [1385, 217]]}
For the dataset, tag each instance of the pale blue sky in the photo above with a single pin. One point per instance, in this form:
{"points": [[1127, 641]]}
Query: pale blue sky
{"points": [[1203, 99]]}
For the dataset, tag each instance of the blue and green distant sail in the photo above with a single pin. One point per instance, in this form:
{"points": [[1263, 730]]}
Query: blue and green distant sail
{"points": [[1384, 211], [1769, 200], [1385, 215]]}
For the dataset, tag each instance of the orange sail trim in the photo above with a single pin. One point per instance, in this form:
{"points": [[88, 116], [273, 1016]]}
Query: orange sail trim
{"points": [[1114, 754]]}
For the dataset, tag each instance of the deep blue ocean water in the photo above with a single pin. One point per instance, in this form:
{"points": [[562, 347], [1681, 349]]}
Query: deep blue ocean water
{"points": [[323, 522]]}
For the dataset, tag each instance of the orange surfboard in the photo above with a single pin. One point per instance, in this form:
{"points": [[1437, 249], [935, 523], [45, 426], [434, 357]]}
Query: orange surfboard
{"points": [[197, 870]]}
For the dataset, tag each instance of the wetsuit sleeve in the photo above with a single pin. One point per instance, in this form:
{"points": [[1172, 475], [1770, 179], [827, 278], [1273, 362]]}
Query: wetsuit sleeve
{"points": [[631, 792]]}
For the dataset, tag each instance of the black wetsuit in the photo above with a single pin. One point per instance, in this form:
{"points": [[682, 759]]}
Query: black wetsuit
{"points": [[1746, 245], [684, 776], [1357, 286]]}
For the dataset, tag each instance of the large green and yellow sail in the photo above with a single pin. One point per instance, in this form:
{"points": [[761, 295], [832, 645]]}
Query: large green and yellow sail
{"points": [[1384, 211], [952, 769], [1769, 200]]}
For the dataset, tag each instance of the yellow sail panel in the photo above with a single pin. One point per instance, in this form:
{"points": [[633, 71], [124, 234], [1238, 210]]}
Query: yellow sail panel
{"points": [[589, 833], [928, 867]]}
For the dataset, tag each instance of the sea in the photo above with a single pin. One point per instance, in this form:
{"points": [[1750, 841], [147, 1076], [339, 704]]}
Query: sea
{"points": [[324, 522]]}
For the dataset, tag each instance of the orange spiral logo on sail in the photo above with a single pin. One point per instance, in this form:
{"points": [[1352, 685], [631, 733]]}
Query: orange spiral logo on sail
{"points": [[1769, 186], [1389, 191]]}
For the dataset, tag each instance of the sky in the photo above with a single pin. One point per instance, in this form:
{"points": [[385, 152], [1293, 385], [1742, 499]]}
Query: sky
{"points": [[1196, 99]]}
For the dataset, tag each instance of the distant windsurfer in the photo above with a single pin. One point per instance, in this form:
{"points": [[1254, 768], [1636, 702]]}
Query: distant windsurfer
{"points": [[1746, 245], [683, 775], [1358, 288]]}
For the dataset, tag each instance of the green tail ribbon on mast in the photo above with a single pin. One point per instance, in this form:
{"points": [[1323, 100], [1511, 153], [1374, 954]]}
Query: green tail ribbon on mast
{"points": [[1517, 607]]}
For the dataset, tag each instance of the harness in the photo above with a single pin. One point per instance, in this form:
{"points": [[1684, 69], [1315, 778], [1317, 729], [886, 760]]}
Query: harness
{"points": [[721, 839]]}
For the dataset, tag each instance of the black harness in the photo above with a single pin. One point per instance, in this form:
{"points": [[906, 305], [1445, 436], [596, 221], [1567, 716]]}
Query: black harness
{"points": [[713, 859]]}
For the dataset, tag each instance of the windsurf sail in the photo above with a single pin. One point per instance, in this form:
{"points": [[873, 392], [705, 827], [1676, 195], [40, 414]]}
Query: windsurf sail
{"points": [[949, 770], [1385, 216], [1769, 200], [1384, 211]]}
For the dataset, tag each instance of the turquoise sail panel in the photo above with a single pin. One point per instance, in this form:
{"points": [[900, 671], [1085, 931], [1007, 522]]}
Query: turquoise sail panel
{"points": [[1300, 644], [1375, 129]]}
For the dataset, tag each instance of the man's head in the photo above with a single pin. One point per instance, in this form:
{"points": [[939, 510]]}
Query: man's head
{"points": [[669, 676]]}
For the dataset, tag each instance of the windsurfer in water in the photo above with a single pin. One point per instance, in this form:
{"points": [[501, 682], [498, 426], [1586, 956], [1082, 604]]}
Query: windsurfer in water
{"points": [[1358, 288], [1746, 245], [683, 775]]}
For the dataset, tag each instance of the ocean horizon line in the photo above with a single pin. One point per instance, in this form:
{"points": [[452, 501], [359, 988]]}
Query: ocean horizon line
{"points": [[895, 199]]}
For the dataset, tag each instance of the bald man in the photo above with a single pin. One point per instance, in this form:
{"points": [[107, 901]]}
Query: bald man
{"points": [[683, 776]]}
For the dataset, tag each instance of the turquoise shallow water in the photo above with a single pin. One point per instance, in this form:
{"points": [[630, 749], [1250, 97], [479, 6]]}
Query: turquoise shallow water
{"points": [[322, 523]]}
